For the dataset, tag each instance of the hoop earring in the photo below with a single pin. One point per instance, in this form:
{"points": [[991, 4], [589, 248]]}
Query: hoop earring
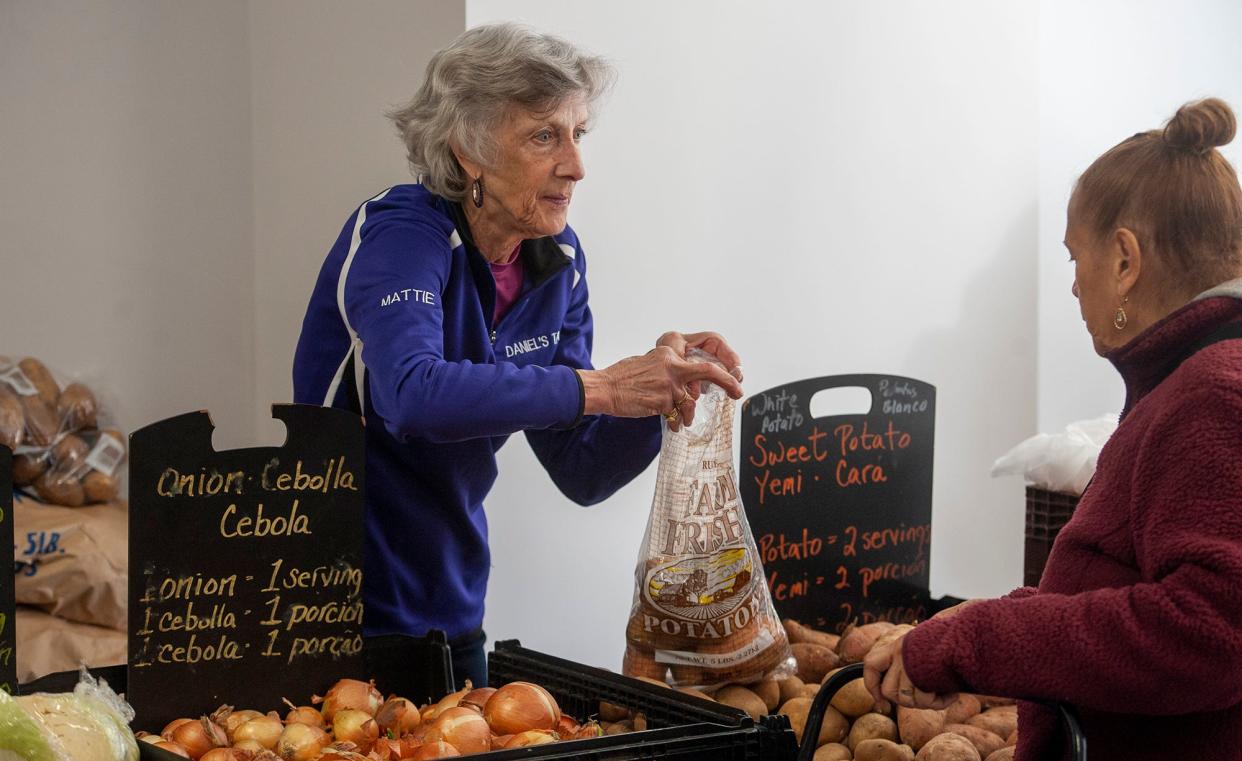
{"points": [[1119, 317], [476, 193]]}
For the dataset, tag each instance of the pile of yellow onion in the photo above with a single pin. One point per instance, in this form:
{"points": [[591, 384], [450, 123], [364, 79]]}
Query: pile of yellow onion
{"points": [[353, 722]]}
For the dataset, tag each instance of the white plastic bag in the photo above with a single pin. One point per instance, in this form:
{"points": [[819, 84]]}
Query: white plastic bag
{"points": [[1062, 462]]}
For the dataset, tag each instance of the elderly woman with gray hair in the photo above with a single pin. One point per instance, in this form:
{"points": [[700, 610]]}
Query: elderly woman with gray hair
{"points": [[453, 313]]}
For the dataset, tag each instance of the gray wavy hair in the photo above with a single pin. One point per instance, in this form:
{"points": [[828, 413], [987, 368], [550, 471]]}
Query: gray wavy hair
{"points": [[469, 85]]}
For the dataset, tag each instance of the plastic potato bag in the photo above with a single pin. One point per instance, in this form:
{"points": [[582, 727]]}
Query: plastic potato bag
{"points": [[89, 724], [701, 608], [61, 444]]}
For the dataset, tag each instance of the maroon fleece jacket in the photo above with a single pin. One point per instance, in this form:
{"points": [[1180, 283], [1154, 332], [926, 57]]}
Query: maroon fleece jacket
{"points": [[1137, 622]]}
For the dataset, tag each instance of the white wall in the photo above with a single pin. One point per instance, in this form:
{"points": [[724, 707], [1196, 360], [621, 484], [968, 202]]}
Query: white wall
{"points": [[1108, 69], [323, 74], [126, 204], [836, 187]]}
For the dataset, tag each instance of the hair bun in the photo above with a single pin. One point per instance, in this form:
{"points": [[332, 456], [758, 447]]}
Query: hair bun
{"points": [[1201, 126]]}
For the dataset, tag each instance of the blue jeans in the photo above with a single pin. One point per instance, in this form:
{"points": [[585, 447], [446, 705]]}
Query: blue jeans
{"points": [[469, 658]]}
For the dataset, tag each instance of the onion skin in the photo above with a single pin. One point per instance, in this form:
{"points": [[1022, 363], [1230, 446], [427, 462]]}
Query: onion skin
{"points": [[477, 698], [265, 730], [398, 716], [521, 706], [532, 737], [300, 742], [452, 700], [464, 729], [349, 693], [305, 715], [438, 749], [167, 731], [355, 727], [198, 737], [172, 747]]}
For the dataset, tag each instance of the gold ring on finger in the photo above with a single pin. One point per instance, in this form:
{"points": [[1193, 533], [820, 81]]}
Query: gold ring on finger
{"points": [[672, 415]]}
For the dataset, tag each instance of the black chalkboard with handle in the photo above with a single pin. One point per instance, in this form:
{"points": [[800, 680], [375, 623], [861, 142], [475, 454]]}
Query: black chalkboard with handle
{"points": [[840, 505], [245, 579]]}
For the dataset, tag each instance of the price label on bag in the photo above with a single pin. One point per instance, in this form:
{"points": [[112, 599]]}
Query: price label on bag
{"points": [[8, 605], [840, 504], [245, 577]]}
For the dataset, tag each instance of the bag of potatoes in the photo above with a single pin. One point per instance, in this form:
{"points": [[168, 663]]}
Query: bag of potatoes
{"points": [[702, 615], [59, 446]]}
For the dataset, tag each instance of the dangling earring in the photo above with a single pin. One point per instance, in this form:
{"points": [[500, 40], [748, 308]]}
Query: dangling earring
{"points": [[1119, 318], [476, 193]]}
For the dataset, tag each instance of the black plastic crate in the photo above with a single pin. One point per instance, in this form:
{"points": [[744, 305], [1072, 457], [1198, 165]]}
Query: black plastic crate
{"points": [[418, 668], [1046, 513], [683, 727]]}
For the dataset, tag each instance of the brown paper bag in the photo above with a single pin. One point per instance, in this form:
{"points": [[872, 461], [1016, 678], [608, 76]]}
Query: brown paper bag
{"points": [[72, 562], [47, 644]]}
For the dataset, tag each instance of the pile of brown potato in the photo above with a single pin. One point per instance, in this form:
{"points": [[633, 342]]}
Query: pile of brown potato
{"points": [[57, 429], [974, 728]]}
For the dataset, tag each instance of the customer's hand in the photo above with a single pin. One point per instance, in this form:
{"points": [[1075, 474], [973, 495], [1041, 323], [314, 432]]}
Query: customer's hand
{"points": [[948, 613], [662, 381], [885, 677]]}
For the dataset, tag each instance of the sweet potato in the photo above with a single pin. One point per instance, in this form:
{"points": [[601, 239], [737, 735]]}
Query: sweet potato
{"points": [[882, 750], [871, 726], [799, 633], [992, 701], [1004, 754], [948, 747], [813, 661], [77, 407], [1012, 739], [899, 630], [833, 752], [963, 708], [999, 721], [42, 425], [984, 741], [57, 489], [12, 419], [27, 468], [41, 378], [739, 697], [856, 641], [916, 726], [853, 700]]}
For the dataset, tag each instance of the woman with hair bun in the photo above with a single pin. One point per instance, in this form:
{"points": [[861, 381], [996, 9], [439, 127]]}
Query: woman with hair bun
{"points": [[454, 312], [1137, 620]]}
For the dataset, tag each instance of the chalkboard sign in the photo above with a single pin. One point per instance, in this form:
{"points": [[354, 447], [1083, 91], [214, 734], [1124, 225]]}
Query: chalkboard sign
{"points": [[245, 580], [8, 605], [840, 506]]}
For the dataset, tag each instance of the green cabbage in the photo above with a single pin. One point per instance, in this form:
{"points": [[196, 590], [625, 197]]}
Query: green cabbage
{"points": [[21, 737], [89, 724]]}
